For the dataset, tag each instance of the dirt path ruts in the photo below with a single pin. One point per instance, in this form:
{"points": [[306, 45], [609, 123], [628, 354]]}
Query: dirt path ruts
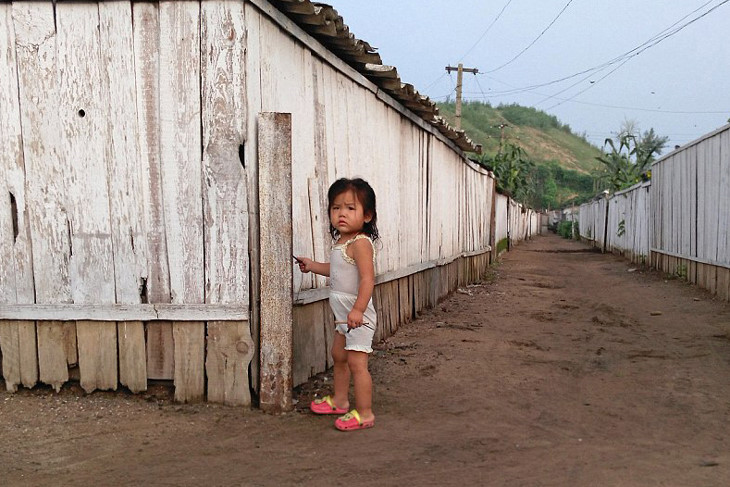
{"points": [[564, 367]]}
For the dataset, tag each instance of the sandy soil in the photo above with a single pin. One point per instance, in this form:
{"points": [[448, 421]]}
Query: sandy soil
{"points": [[564, 367]]}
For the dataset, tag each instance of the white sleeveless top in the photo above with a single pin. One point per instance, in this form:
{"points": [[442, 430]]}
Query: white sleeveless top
{"points": [[344, 276]]}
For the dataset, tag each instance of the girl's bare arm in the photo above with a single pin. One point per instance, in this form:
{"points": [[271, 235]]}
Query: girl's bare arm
{"points": [[309, 265], [362, 252]]}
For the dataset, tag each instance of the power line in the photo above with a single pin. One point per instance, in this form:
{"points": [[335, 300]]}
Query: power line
{"points": [[652, 41], [620, 107], [534, 41], [487, 30], [475, 44]]}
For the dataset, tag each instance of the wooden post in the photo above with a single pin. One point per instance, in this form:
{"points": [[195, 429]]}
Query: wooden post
{"points": [[493, 220], [459, 80], [605, 224], [459, 77], [275, 246]]}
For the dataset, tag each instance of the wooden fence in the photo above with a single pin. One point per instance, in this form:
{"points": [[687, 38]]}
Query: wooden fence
{"points": [[124, 246], [689, 210], [624, 230], [143, 196], [514, 222], [678, 223]]}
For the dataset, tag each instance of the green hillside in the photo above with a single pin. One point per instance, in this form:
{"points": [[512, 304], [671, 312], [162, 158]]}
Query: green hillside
{"points": [[565, 163]]}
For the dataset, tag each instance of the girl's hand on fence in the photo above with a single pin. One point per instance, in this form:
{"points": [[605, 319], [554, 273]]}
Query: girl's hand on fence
{"points": [[305, 264], [354, 319]]}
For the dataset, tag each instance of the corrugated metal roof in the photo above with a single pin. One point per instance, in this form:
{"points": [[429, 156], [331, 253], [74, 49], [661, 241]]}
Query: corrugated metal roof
{"points": [[324, 23]]}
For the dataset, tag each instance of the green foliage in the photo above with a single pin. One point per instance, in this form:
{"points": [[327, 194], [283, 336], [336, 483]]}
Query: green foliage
{"points": [[566, 228], [531, 117], [543, 136], [621, 228], [513, 169], [630, 161], [501, 245], [545, 179], [681, 272], [556, 186]]}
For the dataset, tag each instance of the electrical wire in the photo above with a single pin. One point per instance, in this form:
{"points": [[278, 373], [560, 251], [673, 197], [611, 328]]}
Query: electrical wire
{"points": [[534, 40], [619, 107], [475, 44], [603, 105], [652, 41], [489, 27]]}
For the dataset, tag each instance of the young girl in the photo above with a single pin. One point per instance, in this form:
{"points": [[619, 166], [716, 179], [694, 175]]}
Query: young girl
{"points": [[352, 278]]}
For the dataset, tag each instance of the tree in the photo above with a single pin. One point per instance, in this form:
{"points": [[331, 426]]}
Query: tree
{"points": [[513, 170], [629, 162]]}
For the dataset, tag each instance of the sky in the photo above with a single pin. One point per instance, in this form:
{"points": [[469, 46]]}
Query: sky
{"points": [[661, 64]]}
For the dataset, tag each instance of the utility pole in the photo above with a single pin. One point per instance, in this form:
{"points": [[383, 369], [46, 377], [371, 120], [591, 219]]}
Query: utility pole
{"points": [[459, 75]]}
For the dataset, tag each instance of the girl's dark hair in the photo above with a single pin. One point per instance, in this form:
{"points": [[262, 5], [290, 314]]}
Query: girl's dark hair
{"points": [[366, 197]]}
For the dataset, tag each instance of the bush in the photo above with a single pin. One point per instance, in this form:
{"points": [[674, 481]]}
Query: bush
{"points": [[565, 229]]}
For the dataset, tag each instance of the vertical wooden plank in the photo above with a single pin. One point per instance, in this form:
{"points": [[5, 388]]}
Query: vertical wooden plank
{"points": [[405, 300], [181, 171], [10, 352], [132, 356], [124, 173], [723, 249], [318, 186], [52, 365], [329, 332], [275, 158], [379, 312], [17, 339], [394, 310], [701, 211], [722, 252], [84, 136], [253, 106], [159, 346], [714, 195], [230, 348], [224, 197], [46, 206], [684, 205], [189, 350], [309, 350]]}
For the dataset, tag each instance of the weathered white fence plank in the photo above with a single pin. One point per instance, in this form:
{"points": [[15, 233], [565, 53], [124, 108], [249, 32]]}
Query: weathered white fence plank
{"points": [[46, 205], [18, 339], [124, 173], [253, 106], [84, 138], [160, 359], [229, 344], [180, 159]]}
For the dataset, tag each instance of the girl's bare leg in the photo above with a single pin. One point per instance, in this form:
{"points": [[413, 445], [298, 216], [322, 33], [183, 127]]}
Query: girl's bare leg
{"points": [[342, 372], [363, 383]]}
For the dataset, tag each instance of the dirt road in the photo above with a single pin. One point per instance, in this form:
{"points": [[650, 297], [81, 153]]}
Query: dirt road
{"points": [[563, 368]]}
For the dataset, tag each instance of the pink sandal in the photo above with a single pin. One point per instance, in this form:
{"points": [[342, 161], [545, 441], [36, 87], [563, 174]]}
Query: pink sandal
{"points": [[351, 421], [325, 405]]}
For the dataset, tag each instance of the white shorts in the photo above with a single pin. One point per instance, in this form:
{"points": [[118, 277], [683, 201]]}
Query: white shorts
{"points": [[358, 339]]}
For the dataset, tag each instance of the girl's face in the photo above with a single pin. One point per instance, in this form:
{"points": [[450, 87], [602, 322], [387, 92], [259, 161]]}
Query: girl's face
{"points": [[347, 215]]}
